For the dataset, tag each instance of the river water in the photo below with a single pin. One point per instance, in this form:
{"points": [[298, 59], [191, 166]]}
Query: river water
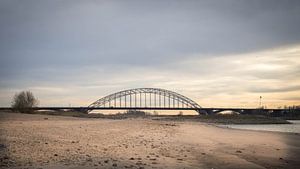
{"points": [[291, 128]]}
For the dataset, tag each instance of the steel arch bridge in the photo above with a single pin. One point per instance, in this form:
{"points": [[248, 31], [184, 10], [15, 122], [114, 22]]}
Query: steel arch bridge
{"points": [[145, 99]]}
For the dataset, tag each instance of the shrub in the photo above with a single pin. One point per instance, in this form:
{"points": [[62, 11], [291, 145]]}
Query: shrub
{"points": [[24, 102]]}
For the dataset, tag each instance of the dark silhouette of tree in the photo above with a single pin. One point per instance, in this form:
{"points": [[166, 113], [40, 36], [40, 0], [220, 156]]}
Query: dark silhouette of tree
{"points": [[24, 102]]}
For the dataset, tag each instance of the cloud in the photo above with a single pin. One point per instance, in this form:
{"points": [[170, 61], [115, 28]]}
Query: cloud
{"points": [[64, 34], [219, 53], [293, 98], [229, 80], [275, 90]]}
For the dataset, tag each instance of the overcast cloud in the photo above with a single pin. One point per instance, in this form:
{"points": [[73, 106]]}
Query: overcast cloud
{"points": [[219, 53]]}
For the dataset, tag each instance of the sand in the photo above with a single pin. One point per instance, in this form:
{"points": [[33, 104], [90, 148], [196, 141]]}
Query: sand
{"points": [[40, 141]]}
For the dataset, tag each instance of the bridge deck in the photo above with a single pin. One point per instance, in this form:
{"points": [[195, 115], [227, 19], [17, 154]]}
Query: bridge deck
{"points": [[141, 108]]}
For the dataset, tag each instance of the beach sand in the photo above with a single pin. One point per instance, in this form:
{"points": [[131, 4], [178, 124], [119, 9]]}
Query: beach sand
{"points": [[40, 141]]}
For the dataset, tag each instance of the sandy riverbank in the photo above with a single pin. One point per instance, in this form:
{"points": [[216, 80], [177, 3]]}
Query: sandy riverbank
{"points": [[40, 141]]}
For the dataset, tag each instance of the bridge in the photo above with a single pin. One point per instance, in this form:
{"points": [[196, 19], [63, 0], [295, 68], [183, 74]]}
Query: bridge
{"points": [[161, 99], [146, 99], [153, 99]]}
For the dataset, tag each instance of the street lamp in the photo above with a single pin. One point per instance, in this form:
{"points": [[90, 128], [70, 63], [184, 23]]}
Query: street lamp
{"points": [[260, 97]]}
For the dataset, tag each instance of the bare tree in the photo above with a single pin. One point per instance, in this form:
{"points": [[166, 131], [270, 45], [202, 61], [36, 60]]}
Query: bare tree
{"points": [[24, 102]]}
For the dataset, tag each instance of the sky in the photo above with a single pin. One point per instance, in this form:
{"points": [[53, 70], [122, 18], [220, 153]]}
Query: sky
{"points": [[218, 53]]}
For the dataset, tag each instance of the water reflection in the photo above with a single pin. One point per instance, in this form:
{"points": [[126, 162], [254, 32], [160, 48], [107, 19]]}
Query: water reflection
{"points": [[290, 128]]}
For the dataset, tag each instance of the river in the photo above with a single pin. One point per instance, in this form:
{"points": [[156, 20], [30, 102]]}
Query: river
{"points": [[290, 128]]}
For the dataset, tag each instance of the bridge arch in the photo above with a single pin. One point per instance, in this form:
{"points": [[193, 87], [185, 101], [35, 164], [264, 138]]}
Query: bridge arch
{"points": [[146, 98]]}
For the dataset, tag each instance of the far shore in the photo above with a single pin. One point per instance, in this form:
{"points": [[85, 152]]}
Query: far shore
{"points": [[218, 119]]}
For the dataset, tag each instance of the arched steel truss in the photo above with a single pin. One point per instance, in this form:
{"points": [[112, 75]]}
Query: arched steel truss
{"points": [[146, 98]]}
